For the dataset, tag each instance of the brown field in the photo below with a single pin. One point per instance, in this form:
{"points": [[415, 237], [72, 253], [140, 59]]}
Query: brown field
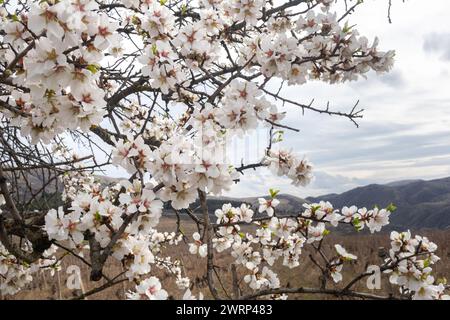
{"points": [[46, 286]]}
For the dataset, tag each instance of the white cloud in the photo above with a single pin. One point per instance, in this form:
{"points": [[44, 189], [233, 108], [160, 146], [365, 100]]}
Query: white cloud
{"points": [[438, 43]]}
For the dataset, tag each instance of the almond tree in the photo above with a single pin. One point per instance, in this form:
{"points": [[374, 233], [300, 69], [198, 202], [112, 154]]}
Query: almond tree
{"points": [[157, 89]]}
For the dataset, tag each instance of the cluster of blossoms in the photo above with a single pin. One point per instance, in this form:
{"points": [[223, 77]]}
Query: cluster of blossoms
{"points": [[150, 289], [264, 279], [99, 213], [347, 55], [198, 246], [247, 10], [411, 259], [179, 165], [183, 165], [65, 43], [131, 154], [374, 219], [136, 119], [75, 182], [286, 163], [15, 274], [284, 237], [243, 106]]}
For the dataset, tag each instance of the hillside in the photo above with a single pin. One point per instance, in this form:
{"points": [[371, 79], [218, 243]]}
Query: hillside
{"points": [[421, 204]]}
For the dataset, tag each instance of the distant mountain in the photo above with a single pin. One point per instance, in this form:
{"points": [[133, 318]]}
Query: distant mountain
{"points": [[421, 204]]}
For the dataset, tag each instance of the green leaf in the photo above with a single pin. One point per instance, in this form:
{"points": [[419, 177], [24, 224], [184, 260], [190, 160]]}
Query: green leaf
{"points": [[154, 49], [15, 18], [391, 208], [314, 209], [347, 28], [357, 224], [135, 20], [278, 136], [49, 93], [93, 68], [97, 216], [183, 9], [273, 193]]}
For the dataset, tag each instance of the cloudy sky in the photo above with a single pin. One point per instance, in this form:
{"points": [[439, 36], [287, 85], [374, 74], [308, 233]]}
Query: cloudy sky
{"points": [[405, 133]]}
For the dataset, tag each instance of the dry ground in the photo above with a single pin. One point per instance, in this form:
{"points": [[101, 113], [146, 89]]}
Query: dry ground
{"points": [[46, 286]]}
